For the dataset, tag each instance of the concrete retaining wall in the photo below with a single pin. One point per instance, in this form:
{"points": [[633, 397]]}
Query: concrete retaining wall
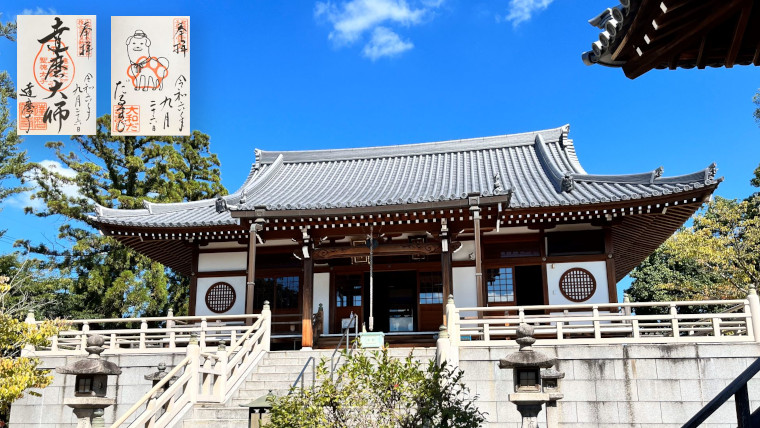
{"points": [[605, 385], [621, 385], [47, 412]]}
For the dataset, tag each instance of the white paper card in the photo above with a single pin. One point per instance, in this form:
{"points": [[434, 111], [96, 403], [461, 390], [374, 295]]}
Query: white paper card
{"points": [[150, 75], [56, 75]]}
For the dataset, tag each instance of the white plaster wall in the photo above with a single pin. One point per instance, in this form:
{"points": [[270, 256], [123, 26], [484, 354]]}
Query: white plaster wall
{"points": [[322, 295], [209, 262], [555, 270], [464, 288], [237, 282], [463, 254]]}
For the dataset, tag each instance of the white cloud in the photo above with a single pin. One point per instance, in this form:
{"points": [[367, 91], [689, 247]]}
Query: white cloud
{"points": [[38, 11], [352, 19], [523, 10], [385, 42], [26, 199]]}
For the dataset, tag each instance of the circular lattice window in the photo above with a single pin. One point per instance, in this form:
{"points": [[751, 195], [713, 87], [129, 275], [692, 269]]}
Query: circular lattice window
{"points": [[220, 297], [577, 285]]}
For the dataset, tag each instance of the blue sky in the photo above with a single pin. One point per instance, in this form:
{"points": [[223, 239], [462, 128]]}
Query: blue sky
{"points": [[286, 75]]}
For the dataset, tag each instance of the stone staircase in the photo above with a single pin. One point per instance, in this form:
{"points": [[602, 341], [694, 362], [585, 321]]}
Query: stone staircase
{"points": [[276, 372]]}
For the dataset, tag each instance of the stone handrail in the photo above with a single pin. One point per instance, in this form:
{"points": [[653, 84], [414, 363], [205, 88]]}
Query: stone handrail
{"points": [[171, 402], [606, 323], [223, 372], [173, 333], [206, 377]]}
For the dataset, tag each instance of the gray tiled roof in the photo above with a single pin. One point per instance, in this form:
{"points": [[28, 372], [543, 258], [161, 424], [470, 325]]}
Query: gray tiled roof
{"points": [[539, 168], [198, 214]]}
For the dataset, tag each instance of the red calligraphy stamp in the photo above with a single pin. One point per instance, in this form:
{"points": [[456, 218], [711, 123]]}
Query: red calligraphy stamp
{"points": [[84, 37], [32, 116], [126, 118], [53, 71], [181, 36]]}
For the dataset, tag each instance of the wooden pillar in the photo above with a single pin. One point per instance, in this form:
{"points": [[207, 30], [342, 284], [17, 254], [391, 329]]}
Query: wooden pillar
{"points": [[307, 297], [307, 294], [250, 276], [610, 252], [475, 209], [544, 273], [193, 281], [446, 273]]}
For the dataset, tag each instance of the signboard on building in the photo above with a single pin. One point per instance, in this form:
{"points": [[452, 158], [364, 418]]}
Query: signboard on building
{"points": [[56, 75], [150, 75]]}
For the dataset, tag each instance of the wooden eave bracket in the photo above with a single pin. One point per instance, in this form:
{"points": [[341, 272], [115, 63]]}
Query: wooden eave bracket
{"points": [[651, 55], [411, 248]]}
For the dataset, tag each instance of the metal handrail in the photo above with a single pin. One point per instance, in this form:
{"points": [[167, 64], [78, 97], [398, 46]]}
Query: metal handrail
{"points": [[737, 388], [353, 318], [301, 375]]}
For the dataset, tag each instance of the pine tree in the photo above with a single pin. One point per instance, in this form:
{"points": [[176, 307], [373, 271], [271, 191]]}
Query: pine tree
{"points": [[109, 279]]}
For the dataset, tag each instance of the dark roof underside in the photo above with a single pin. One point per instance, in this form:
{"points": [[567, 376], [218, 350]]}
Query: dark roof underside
{"points": [[656, 34]]}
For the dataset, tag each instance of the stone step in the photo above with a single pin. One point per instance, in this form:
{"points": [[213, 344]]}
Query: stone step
{"points": [[278, 368], [292, 360], [215, 423], [275, 372], [219, 412], [258, 392], [257, 386], [277, 377], [245, 399]]}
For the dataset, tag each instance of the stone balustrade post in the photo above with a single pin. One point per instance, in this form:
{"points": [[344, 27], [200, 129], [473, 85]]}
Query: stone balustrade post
{"points": [[204, 327], [28, 349], [444, 350], [597, 324], [266, 324], [194, 352], [143, 331], [442, 345], [220, 384], [170, 323], [170, 318], [674, 324], [451, 322], [754, 309], [627, 309], [83, 336]]}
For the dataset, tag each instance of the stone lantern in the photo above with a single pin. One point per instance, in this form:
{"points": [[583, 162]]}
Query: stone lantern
{"points": [[91, 382], [260, 406], [529, 395], [551, 380], [156, 377]]}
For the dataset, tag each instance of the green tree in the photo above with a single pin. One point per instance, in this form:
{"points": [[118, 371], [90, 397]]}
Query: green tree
{"points": [[37, 287], [109, 279], [18, 373], [725, 242], [12, 160], [716, 257], [377, 390], [21, 286], [664, 278], [8, 30]]}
